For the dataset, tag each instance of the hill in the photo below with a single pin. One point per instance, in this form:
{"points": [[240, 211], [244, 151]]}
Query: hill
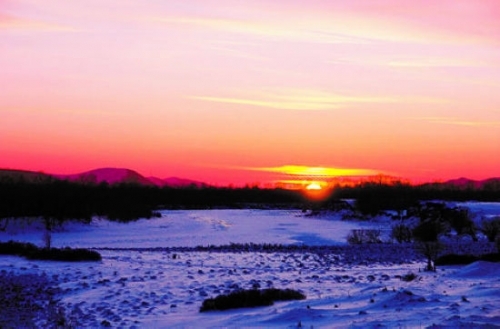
{"points": [[109, 175], [17, 175], [470, 183]]}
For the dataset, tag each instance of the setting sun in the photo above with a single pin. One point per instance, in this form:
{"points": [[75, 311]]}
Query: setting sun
{"points": [[313, 186], [316, 190]]}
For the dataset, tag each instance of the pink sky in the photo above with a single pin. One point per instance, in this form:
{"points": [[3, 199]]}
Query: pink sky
{"points": [[230, 91]]}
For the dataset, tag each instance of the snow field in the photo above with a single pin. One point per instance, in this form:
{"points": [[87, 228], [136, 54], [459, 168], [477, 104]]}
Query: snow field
{"points": [[348, 287]]}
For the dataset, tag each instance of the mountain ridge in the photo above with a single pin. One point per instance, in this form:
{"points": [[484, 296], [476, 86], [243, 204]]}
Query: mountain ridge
{"points": [[109, 175], [112, 176]]}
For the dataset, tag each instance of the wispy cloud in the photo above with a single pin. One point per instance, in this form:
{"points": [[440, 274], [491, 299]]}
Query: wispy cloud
{"points": [[459, 122], [310, 32], [358, 22], [414, 62], [232, 50], [311, 100], [12, 23], [435, 63]]}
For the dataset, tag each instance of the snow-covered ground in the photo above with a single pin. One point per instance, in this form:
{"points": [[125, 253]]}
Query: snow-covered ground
{"points": [[201, 227], [164, 289]]}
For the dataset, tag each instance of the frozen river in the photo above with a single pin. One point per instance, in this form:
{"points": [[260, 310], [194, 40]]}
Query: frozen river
{"points": [[191, 228]]}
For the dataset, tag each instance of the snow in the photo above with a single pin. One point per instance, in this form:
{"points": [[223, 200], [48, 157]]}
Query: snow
{"points": [[201, 227], [164, 289], [486, 209]]}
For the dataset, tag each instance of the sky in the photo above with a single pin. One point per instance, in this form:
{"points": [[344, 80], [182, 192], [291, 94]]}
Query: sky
{"points": [[235, 92]]}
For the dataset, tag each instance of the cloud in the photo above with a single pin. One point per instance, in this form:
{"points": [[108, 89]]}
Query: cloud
{"points": [[428, 21], [317, 172], [353, 22], [436, 63], [459, 122], [286, 30], [311, 100], [13, 23]]}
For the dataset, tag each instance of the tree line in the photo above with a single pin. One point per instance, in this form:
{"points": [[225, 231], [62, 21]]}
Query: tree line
{"points": [[58, 200], [372, 198]]}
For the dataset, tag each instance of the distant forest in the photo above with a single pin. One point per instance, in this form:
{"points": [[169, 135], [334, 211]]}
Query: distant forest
{"points": [[58, 200]]}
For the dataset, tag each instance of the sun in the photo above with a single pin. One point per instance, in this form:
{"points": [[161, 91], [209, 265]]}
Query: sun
{"points": [[316, 190], [314, 186]]}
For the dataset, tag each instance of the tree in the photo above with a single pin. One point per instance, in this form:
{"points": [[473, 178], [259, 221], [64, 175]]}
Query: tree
{"points": [[491, 228], [460, 220], [401, 233], [430, 249], [427, 235]]}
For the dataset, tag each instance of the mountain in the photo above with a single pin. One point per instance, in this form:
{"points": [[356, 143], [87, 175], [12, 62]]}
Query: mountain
{"points": [[108, 175], [157, 181], [466, 182], [182, 182], [29, 176], [462, 182], [121, 175]]}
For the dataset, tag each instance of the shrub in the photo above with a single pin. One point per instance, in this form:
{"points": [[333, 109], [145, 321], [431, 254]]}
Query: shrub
{"points": [[491, 228], [250, 298], [428, 230], [31, 251], [401, 233], [454, 259], [65, 255], [438, 218], [16, 248], [409, 277], [373, 236], [461, 221], [494, 257], [355, 237], [360, 236]]}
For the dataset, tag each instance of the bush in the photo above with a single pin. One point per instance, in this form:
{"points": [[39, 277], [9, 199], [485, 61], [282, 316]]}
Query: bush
{"points": [[461, 221], [409, 277], [401, 233], [454, 259], [428, 230], [30, 251], [491, 228], [65, 255], [361, 236], [16, 248], [250, 298]]}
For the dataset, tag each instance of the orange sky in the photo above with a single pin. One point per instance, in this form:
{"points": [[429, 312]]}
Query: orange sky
{"points": [[230, 92]]}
